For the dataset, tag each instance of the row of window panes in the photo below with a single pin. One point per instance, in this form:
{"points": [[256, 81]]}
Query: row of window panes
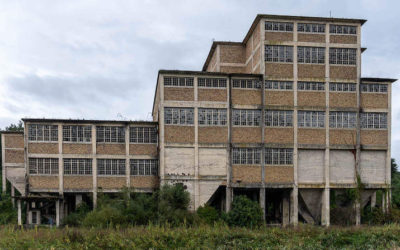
{"points": [[246, 83], [246, 117], [311, 27], [342, 29], [273, 156], [143, 135], [246, 156], [212, 82], [342, 119], [212, 117], [374, 88], [144, 167], [77, 133], [343, 56], [43, 166], [281, 85], [279, 118], [278, 53], [178, 81], [311, 119], [110, 134], [77, 166], [179, 116], [310, 55], [278, 156], [342, 87], [111, 167], [279, 26], [40, 132], [373, 120], [317, 86]]}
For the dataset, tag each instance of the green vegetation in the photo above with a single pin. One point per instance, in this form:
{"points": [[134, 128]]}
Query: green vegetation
{"points": [[244, 213]]}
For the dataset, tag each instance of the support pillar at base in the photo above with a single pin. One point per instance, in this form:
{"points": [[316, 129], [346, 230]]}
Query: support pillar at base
{"points": [[262, 201], [19, 213], [325, 213], [229, 198], [294, 206], [58, 213], [285, 210]]}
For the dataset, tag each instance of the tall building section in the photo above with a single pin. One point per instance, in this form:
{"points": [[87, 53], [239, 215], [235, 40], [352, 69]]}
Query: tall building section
{"points": [[283, 117]]}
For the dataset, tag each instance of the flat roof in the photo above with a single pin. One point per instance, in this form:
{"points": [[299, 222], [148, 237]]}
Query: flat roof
{"points": [[378, 79], [10, 132], [86, 121]]}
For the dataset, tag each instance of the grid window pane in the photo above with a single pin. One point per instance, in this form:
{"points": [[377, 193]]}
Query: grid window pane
{"points": [[278, 156], [278, 85], [246, 156], [211, 82], [311, 86], [311, 119], [374, 88], [111, 167], [74, 166], [212, 117], [178, 81], [77, 133], [246, 117], [373, 120], [110, 134], [40, 132], [142, 167], [43, 166], [278, 118], [143, 135], [311, 27], [279, 26], [342, 29], [246, 83], [179, 116], [278, 53], [344, 56], [310, 54]]}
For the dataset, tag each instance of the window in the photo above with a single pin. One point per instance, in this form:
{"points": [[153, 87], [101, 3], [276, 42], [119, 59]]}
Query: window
{"points": [[144, 167], [246, 117], [41, 132], [311, 119], [111, 167], [212, 117], [316, 86], [342, 29], [178, 81], [142, 135], [279, 26], [278, 156], [212, 82], [179, 116], [77, 166], [342, 119], [43, 166], [343, 56], [342, 87], [110, 134], [278, 118], [278, 85], [373, 120], [311, 27], [246, 156], [77, 133], [374, 88], [246, 83], [278, 53], [310, 55]]}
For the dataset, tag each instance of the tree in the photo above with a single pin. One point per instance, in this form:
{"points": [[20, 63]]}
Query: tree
{"points": [[395, 184]]}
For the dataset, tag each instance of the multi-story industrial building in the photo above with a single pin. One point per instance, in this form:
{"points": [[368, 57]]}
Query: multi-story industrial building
{"points": [[283, 116]]}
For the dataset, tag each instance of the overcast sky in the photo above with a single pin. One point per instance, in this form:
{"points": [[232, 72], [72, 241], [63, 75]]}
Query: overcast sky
{"points": [[99, 59]]}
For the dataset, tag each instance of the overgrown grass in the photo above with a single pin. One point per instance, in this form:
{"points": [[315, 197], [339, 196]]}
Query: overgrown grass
{"points": [[209, 237]]}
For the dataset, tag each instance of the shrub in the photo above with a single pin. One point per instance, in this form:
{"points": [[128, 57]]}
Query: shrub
{"points": [[106, 216], [76, 218], [244, 213], [173, 203], [141, 209], [7, 213], [208, 214]]}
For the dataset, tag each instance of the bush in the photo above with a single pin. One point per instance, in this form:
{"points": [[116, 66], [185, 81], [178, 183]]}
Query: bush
{"points": [[244, 213], [208, 214], [377, 217], [173, 203], [76, 218], [106, 216], [7, 213], [141, 209]]}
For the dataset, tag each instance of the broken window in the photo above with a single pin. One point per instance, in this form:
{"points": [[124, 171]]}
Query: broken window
{"points": [[314, 86], [43, 166], [342, 119], [110, 134], [179, 116], [178, 81], [311, 27], [144, 167], [75, 166], [373, 120], [143, 135], [278, 118], [42, 132], [247, 156], [77, 133], [311, 119], [246, 117], [344, 56], [342, 87], [278, 156], [278, 53], [310, 54], [374, 88], [111, 167], [246, 83], [279, 26], [342, 29], [212, 117], [212, 82], [278, 85]]}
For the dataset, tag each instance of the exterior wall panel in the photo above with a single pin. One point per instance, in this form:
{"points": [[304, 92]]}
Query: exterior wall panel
{"points": [[246, 174], [343, 100], [311, 136], [246, 97], [279, 135], [311, 166], [373, 167], [43, 148], [178, 94], [279, 174], [212, 95], [179, 134], [373, 100], [143, 149], [246, 134], [213, 135], [284, 98], [212, 161], [70, 148], [179, 161], [110, 149], [342, 167]]}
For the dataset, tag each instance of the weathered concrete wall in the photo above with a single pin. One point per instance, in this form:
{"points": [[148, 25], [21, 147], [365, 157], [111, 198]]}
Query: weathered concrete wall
{"points": [[212, 161], [311, 166], [316, 71], [246, 134], [110, 149], [308, 98], [279, 174], [212, 95], [281, 70], [211, 65], [144, 181], [349, 39], [13, 141], [213, 134], [279, 36], [246, 174], [343, 72], [373, 100], [111, 182], [43, 148], [313, 38], [43, 182], [284, 98], [311, 136], [143, 149], [234, 69], [374, 137], [373, 166], [342, 136], [232, 54], [74, 148], [14, 156], [78, 182], [179, 134], [278, 135], [178, 94], [179, 161], [207, 189], [343, 100], [341, 167], [246, 97]]}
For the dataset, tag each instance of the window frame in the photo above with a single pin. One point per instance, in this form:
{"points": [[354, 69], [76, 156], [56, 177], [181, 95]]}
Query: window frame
{"points": [[368, 120], [309, 50], [221, 83], [303, 115], [219, 113], [248, 84], [39, 163], [278, 24], [306, 86], [85, 130], [311, 24], [188, 82], [176, 115], [351, 87], [382, 88], [278, 114], [150, 167], [287, 50], [152, 137], [117, 167], [238, 115], [246, 156], [108, 131], [337, 118], [336, 58], [37, 133], [84, 166], [278, 156], [281, 85]]}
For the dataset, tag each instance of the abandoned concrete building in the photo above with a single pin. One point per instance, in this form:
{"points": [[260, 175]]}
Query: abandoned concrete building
{"points": [[283, 117]]}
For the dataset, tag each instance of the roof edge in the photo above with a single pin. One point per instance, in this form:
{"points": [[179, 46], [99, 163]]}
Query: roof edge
{"points": [[378, 79], [214, 46], [84, 121]]}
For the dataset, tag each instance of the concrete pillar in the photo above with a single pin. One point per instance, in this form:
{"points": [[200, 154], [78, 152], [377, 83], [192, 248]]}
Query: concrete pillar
{"points": [[285, 210], [58, 213], [384, 201], [294, 206], [94, 199], [229, 198], [78, 200], [13, 195], [325, 212], [19, 212], [262, 201], [38, 217], [373, 200], [357, 207]]}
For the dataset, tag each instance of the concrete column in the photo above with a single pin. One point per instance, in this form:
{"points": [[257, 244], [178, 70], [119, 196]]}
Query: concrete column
{"points": [[38, 217], [3, 169], [78, 200], [285, 210], [325, 213], [58, 213], [373, 200], [127, 161], [60, 161], [357, 207], [94, 166], [12, 195], [262, 201], [229, 198], [19, 212], [294, 206]]}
